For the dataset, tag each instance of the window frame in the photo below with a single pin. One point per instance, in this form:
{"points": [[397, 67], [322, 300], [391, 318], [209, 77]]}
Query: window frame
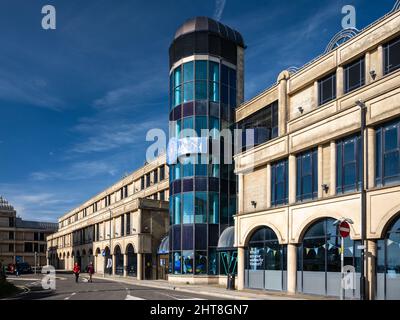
{"points": [[329, 77], [275, 202], [388, 68], [346, 74], [300, 195]]}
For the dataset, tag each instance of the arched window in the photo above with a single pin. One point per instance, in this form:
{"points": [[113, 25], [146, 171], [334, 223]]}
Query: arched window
{"points": [[388, 266], [132, 261], [119, 261], [265, 261], [319, 266]]}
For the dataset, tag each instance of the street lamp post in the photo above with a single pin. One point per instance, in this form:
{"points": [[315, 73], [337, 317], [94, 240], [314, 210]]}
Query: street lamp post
{"points": [[364, 170]]}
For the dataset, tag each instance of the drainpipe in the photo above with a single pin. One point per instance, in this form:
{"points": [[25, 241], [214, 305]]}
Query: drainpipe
{"points": [[364, 170]]}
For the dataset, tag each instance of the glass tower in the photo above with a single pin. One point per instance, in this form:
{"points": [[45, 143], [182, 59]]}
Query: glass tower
{"points": [[206, 85]]}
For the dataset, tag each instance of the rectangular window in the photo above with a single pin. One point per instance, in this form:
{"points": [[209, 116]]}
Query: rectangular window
{"points": [[36, 236], [162, 195], [327, 89], [392, 56], [261, 126], [354, 75], [147, 180], [128, 223], [307, 176], [141, 183], [11, 247], [388, 154], [348, 165], [11, 235], [162, 173], [42, 248], [11, 222], [28, 247], [188, 205], [279, 183], [41, 236], [155, 176], [122, 225]]}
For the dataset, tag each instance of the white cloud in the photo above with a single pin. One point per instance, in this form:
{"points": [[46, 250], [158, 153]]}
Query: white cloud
{"points": [[77, 171]]}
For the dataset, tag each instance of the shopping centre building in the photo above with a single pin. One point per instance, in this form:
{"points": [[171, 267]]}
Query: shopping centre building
{"points": [[304, 171], [271, 216], [120, 229]]}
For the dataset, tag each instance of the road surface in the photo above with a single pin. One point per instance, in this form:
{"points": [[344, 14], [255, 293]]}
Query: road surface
{"points": [[100, 289]]}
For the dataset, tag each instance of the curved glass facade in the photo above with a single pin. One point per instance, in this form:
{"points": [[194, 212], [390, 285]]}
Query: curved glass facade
{"points": [[202, 186]]}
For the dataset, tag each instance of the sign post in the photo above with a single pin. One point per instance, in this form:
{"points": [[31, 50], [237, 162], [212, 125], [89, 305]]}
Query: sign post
{"points": [[344, 229]]}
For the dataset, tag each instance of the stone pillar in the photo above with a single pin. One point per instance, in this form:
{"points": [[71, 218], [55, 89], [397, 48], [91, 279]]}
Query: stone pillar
{"points": [[379, 68], [140, 266], [241, 193], [368, 78], [371, 268], [332, 187], [125, 265], [282, 101], [316, 94], [339, 82], [292, 179], [291, 268], [371, 157], [268, 182], [240, 266], [113, 264], [320, 172]]}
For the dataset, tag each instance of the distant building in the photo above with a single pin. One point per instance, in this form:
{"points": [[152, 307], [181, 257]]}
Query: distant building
{"points": [[20, 239]]}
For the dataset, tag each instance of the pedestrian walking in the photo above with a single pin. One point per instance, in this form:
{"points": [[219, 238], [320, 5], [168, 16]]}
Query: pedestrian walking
{"points": [[76, 271], [90, 271]]}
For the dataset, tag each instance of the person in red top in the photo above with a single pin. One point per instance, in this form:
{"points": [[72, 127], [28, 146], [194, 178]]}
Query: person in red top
{"points": [[76, 271], [90, 270]]}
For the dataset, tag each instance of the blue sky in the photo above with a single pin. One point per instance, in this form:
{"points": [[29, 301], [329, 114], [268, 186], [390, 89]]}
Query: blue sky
{"points": [[76, 102]]}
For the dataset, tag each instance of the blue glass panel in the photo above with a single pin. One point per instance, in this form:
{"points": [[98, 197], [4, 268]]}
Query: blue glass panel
{"points": [[214, 170], [214, 71], [177, 209], [188, 71], [201, 70], [232, 98], [339, 166], [391, 138], [232, 78], [214, 92], [188, 204], [201, 124], [306, 164], [187, 170], [350, 172], [307, 186], [391, 164], [213, 208], [188, 123], [225, 75], [224, 94], [177, 77], [200, 207], [188, 92], [178, 96], [349, 154], [201, 90], [177, 173]]}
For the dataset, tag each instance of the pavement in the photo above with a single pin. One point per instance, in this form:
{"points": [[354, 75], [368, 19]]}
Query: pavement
{"points": [[121, 288]]}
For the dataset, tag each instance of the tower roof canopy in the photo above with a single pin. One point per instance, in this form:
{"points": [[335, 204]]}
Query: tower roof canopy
{"points": [[206, 24]]}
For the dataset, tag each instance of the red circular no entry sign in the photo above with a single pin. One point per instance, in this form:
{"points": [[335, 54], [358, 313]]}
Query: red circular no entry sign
{"points": [[344, 229]]}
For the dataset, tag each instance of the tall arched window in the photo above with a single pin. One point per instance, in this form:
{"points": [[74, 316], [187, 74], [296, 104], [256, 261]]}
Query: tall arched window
{"points": [[265, 261], [319, 267], [388, 266]]}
